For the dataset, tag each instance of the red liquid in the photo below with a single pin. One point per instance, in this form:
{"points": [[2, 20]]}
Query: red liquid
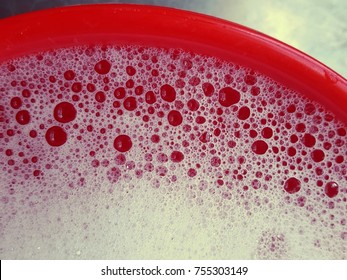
{"points": [[119, 121]]}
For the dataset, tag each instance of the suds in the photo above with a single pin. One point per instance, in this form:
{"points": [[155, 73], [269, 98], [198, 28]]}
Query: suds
{"points": [[130, 152]]}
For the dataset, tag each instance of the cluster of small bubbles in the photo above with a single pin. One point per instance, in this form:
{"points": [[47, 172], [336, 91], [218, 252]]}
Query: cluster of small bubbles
{"points": [[114, 119]]}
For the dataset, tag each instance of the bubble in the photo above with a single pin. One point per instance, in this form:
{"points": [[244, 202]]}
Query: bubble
{"points": [[309, 140], [200, 120], [26, 93], [131, 71], [267, 132], [139, 90], [76, 87], [331, 189], [208, 89], [119, 93], [259, 147], [100, 97], [150, 97], [292, 185], [102, 67], [176, 156], [69, 75], [155, 138], [310, 109], [244, 113], [192, 172], [64, 112], [16, 102], [193, 105], [122, 143], [250, 80], [23, 117], [56, 136], [228, 96], [130, 103], [91, 87], [168, 93], [215, 161], [33, 133], [174, 118], [317, 155]]}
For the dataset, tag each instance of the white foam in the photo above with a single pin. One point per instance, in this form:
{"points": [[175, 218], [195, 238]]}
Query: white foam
{"points": [[72, 210]]}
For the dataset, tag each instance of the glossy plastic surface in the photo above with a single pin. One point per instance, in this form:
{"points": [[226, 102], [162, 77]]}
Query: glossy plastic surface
{"points": [[164, 27]]}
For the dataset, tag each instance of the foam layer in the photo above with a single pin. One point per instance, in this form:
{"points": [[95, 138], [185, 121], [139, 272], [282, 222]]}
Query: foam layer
{"points": [[131, 152]]}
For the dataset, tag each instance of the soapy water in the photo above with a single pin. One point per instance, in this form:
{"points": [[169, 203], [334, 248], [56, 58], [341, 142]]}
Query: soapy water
{"points": [[133, 152]]}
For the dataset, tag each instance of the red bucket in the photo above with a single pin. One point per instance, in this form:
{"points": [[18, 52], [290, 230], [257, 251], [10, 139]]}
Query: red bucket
{"points": [[76, 149]]}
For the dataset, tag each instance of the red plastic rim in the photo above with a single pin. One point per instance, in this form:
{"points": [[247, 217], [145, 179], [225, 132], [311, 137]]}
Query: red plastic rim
{"points": [[165, 27]]}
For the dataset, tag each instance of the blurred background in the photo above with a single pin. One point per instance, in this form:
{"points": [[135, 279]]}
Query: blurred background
{"points": [[318, 28]]}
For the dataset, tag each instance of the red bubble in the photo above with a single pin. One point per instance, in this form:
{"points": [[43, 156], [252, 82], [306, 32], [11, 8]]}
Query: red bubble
{"points": [[339, 159], [120, 159], [119, 93], [341, 132], [64, 112], [317, 155], [23, 117], [122, 143], [292, 185], [155, 138], [100, 96], [162, 157], [331, 189], [56, 136], [244, 113], [294, 138], [205, 137], [174, 118], [76, 87], [191, 172], [200, 120], [208, 89], [176, 156], [150, 97], [130, 103], [259, 147], [193, 105], [300, 127], [102, 67], [217, 132], [291, 151], [309, 109], [267, 132], [194, 81], [26, 93], [309, 140], [33, 133], [228, 96], [69, 75], [216, 161], [16, 102], [129, 83], [167, 93], [291, 108], [91, 87], [250, 80], [131, 71], [139, 90]]}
